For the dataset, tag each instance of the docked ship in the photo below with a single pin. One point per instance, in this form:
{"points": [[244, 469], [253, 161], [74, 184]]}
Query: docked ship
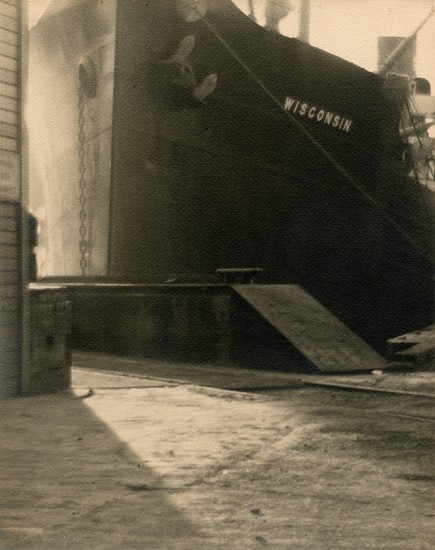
{"points": [[175, 138]]}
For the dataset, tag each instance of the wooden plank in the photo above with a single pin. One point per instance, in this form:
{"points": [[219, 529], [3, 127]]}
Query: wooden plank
{"points": [[11, 343], [8, 116], [9, 90], [7, 23], [8, 237], [7, 62], [10, 77], [7, 36], [8, 144], [10, 330], [10, 10], [8, 210], [10, 288], [8, 130], [9, 278], [11, 316], [10, 291], [9, 304], [8, 224], [11, 359], [9, 50], [9, 385], [10, 263], [8, 103], [10, 251], [324, 340]]}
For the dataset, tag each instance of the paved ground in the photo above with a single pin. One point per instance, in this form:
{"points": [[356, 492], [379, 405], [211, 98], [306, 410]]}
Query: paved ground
{"points": [[154, 463], [230, 378]]}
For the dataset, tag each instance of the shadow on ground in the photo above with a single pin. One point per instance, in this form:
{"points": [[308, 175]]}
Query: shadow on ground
{"points": [[59, 490]]}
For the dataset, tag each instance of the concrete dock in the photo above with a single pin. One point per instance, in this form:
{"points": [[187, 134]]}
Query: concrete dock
{"points": [[129, 460]]}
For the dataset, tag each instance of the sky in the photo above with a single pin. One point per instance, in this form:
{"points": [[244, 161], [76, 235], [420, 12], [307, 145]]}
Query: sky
{"points": [[347, 28], [350, 28]]}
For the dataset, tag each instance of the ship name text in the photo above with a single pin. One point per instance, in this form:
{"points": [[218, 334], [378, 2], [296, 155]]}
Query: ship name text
{"points": [[313, 112]]}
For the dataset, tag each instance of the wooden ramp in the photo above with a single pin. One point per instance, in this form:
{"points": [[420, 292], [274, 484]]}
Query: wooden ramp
{"points": [[324, 340]]}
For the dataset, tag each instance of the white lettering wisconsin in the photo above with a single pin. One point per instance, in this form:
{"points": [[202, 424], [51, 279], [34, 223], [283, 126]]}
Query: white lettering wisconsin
{"points": [[318, 114]]}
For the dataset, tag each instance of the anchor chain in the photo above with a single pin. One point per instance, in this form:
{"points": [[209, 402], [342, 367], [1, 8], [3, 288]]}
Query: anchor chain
{"points": [[83, 229]]}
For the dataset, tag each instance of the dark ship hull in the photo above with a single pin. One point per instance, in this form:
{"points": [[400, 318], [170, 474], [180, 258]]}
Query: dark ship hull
{"points": [[292, 164], [236, 182]]}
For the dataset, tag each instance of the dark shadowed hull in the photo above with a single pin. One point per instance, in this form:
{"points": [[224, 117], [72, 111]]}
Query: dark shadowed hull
{"points": [[236, 182], [292, 163]]}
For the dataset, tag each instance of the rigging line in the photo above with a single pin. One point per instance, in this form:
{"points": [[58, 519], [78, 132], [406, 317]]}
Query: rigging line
{"points": [[414, 167], [318, 145], [83, 215], [411, 118], [429, 166], [396, 54], [390, 168], [251, 14], [429, 173], [341, 169]]}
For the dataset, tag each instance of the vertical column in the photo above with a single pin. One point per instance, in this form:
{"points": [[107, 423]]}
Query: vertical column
{"points": [[11, 279], [304, 29]]}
